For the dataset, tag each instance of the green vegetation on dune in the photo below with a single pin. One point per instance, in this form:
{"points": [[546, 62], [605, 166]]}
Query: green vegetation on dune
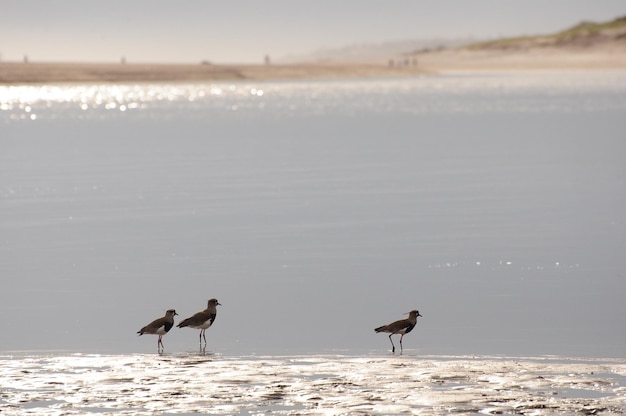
{"points": [[583, 34], [591, 28]]}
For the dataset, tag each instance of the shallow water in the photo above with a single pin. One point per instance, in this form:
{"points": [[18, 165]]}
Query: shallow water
{"points": [[314, 384], [317, 211]]}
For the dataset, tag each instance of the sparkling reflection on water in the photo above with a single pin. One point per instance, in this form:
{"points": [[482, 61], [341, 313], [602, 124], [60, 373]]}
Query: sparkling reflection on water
{"points": [[315, 384], [420, 95]]}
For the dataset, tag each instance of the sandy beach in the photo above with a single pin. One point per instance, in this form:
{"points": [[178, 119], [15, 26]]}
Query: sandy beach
{"points": [[25, 73], [534, 59], [423, 63]]}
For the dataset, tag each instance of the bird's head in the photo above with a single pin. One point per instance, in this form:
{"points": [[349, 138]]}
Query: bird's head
{"points": [[415, 313]]}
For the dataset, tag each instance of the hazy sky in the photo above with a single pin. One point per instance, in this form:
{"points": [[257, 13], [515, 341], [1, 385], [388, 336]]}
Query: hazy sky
{"points": [[246, 30]]}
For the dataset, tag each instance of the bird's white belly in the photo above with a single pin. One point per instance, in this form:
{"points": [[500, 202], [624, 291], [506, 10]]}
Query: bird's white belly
{"points": [[161, 331], [202, 326]]}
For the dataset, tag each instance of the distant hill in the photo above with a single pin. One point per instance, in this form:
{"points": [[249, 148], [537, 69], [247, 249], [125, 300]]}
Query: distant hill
{"points": [[586, 46], [584, 35]]}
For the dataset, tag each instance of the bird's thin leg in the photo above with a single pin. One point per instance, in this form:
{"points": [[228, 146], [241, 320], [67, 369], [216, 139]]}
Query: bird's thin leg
{"points": [[160, 344], [393, 347], [204, 335], [401, 349], [200, 336]]}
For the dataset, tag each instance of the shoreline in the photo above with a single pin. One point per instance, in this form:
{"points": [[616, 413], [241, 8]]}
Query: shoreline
{"points": [[12, 73], [430, 63]]}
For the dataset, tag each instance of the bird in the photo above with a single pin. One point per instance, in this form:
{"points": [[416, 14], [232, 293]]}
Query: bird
{"points": [[202, 320], [160, 327], [402, 327]]}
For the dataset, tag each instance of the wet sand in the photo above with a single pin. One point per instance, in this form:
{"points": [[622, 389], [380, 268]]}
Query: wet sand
{"points": [[423, 63], [314, 384]]}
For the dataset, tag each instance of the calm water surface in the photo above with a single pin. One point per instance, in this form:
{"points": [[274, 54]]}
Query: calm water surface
{"points": [[316, 211]]}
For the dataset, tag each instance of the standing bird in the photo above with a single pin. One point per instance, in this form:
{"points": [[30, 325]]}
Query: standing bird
{"points": [[160, 327], [402, 327], [202, 320]]}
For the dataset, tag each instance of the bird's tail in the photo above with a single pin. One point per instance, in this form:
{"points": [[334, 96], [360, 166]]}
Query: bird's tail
{"points": [[381, 328], [183, 324]]}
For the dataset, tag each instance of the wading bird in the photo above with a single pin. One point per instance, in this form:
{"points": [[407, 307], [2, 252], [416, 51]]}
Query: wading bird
{"points": [[402, 327], [160, 327], [202, 320]]}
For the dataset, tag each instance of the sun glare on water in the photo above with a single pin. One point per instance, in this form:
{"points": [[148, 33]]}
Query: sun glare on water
{"points": [[25, 102], [31, 102]]}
